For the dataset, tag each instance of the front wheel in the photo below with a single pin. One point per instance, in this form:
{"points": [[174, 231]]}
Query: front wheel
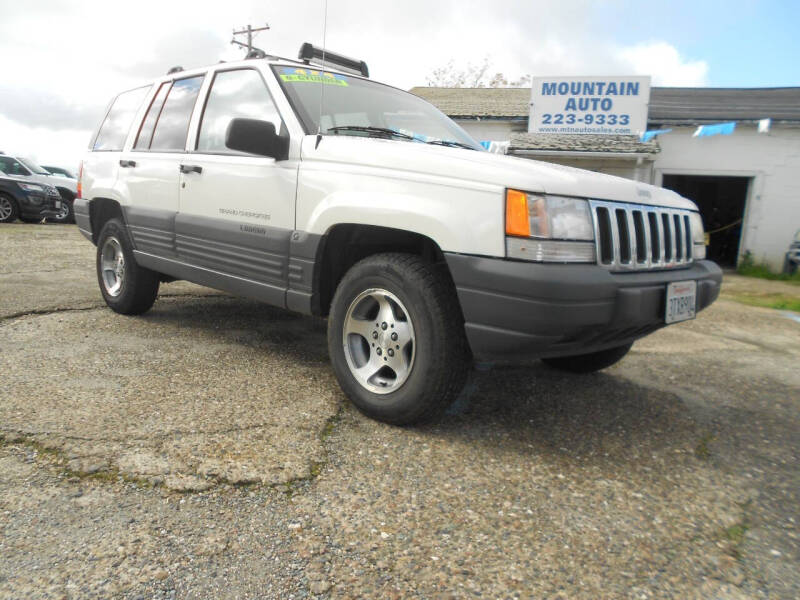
{"points": [[127, 288], [66, 213], [396, 338], [9, 211], [589, 363]]}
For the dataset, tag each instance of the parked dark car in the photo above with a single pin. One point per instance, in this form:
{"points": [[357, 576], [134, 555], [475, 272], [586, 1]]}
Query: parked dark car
{"points": [[28, 201], [793, 255]]}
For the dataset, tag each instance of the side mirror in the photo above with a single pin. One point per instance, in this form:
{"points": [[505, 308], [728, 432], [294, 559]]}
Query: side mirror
{"points": [[256, 137]]}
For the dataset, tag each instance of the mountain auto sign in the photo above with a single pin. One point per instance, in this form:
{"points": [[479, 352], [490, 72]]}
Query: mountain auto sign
{"points": [[599, 105]]}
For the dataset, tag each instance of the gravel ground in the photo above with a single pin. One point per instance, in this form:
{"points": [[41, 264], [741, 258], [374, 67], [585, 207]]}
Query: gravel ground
{"points": [[204, 450]]}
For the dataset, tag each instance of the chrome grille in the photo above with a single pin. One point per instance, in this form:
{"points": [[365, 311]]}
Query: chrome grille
{"points": [[637, 237]]}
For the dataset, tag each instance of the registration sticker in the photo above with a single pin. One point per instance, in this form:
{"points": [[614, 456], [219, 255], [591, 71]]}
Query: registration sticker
{"points": [[681, 301], [292, 75]]}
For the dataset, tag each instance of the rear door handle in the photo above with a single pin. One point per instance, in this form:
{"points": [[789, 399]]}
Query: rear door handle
{"points": [[127, 163], [191, 169]]}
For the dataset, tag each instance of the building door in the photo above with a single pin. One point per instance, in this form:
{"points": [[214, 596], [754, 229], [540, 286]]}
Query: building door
{"points": [[721, 201]]}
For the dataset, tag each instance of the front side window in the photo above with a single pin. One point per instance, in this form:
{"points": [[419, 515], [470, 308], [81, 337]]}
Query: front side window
{"points": [[355, 106], [234, 94], [12, 166], [172, 125], [117, 123]]}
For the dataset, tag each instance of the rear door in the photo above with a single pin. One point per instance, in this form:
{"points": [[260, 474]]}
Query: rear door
{"points": [[148, 173], [236, 211]]}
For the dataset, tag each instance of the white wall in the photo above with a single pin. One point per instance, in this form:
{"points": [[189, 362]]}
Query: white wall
{"points": [[491, 130], [772, 214]]}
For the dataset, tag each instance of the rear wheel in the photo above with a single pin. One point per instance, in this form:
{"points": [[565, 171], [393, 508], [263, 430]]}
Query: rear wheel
{"points": [[396, 338], [589, 363], [9, 211], [127, 288]]}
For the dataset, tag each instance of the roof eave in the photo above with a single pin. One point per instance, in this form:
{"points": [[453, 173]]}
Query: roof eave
{"points": [[581, 153]]}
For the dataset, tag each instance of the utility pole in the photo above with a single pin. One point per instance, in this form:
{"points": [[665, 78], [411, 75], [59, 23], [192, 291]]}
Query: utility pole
{"points": [[249, 31]]}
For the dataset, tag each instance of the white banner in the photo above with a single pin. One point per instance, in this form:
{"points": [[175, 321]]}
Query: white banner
{"points": [[599, 105]]}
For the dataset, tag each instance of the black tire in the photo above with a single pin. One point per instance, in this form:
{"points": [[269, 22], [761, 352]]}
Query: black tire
{"points": [[10, 210], [67, 214], [589, 363], [440, 350], [138, 286]]}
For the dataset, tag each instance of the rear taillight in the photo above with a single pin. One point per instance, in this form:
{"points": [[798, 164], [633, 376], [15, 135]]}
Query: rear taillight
{"points": [[80, 180]]}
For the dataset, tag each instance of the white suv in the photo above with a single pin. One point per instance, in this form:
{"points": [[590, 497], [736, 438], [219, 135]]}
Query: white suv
{"points": [[25, 169], [329, 194]]}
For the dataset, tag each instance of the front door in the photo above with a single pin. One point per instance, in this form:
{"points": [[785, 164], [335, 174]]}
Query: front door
{"points": [[236, 211]]}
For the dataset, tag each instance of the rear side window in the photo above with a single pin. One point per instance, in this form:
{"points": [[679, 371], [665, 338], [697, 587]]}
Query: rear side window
{"points": [[148, 126], [234, 94], [117, 123], [172, 125]]}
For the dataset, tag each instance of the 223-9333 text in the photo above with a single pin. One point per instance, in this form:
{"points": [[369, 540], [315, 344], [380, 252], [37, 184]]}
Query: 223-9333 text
{"points": [[585, 119]]}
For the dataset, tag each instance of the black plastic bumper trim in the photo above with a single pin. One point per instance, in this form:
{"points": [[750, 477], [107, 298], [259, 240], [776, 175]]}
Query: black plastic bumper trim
{"points": [[517, 310]]}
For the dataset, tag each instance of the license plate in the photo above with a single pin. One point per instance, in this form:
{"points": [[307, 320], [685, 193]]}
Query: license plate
{"points": [[681, 301], [58, 203]]}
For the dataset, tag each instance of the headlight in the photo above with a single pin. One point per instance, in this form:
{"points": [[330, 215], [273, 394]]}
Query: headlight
{"points": [[698, 236], [52, 191], [548, 228], [31, 187]]}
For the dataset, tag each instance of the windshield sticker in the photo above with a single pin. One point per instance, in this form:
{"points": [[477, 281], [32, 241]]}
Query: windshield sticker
{"points": [[310, 76]]}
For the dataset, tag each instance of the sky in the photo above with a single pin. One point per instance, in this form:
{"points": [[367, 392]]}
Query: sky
{"points": [[62, 61]]}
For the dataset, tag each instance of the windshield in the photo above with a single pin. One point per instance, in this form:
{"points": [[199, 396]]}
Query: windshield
{"points": [[355, 106], [33, 166]]}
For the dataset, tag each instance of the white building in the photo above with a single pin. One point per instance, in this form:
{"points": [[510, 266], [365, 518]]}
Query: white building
{"points": [[747, 185]]}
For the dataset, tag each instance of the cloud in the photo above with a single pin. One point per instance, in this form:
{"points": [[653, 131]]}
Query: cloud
{"points": [[61, 79], [58, 148], [665, 64], [48, 109]]}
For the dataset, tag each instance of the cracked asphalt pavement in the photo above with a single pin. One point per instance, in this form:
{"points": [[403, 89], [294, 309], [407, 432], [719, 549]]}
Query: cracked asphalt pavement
{"points": [[204, 450]]}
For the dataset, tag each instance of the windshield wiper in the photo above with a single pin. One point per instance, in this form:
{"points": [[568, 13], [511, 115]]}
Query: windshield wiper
{"points": [[382, 131], [450, 144]]}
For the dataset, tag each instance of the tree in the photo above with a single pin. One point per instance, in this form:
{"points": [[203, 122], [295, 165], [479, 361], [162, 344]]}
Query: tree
{"points": [[475, 76]]}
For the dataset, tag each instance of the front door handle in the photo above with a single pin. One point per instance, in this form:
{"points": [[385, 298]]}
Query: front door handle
{"points": [[191, 169], [127, 163]]}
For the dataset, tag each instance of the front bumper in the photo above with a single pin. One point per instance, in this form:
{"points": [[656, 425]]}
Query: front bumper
{"points": [[516, 310], [35, 205]]}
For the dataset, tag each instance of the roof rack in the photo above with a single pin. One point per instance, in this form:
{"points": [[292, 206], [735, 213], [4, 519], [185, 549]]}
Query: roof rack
{"points": [[310, 53]]}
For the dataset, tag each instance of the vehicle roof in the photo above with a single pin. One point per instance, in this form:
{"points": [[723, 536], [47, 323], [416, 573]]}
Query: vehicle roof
{"points": [[249, 62]]}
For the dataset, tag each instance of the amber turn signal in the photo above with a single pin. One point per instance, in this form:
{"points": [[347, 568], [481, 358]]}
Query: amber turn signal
{"points": [[517, 221]]}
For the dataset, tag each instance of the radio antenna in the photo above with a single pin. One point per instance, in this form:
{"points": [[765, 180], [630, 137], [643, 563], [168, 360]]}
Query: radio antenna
{"points": [[322, 78]]}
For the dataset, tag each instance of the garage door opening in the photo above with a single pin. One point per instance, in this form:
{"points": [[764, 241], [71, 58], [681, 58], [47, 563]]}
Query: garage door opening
{"points": [[721, 201]]}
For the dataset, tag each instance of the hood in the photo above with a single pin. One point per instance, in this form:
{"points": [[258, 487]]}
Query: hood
{"points": [[46, 180], [485, 167], [58, 182]]}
